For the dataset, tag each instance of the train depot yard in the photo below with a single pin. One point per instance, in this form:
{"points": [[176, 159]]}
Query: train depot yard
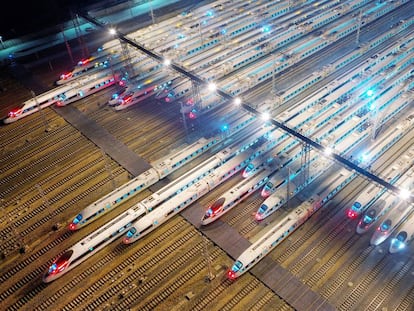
{"points": [[156, 173]]}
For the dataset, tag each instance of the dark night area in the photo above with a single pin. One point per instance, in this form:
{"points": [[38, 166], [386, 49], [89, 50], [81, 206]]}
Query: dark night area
{"points": [[21, 17]]}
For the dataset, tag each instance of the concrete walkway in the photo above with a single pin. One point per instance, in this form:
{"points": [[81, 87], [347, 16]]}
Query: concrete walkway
{"points": [[287, 286]]}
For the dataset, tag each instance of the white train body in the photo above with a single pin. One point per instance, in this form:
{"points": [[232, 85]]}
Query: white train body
{"points": [[364, 200], [145, 89], [114, 198], [112, 230], [276, 190], [188, 196], [375, 212], [393, 220], [264, 245], [373, 192], [226, 165], [237, 194], [62, 95], [175, 93], [385, 202], [92, 244], [288, 224], [89, 66], [404, 236], [160, 169]]}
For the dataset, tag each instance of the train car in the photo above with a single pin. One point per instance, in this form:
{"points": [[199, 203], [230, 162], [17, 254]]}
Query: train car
{"points": [[264, 160], [62, 95], [287, 225], [113, 229], [394, 219], [372, 193], [382, 206], [364, 201], [175, 93], [89, 65], [113, 199], [89, 88], [168, 208], [188, 196], [148, 88], [237, 194], [274, 237], [280, 188], [404, 236], [160, 169], [91, 244]]}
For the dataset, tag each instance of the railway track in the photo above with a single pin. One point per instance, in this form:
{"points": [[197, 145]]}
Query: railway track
{"points": [[348, 302], [385, 294], [42, 208], [189, 264], [212, 295], [32, 147], [235, 300], [101, 284], [42, 161], [407, 303], [23, 206], [264, 300], [11, 133], [144, 146], [32, 275], [131, 292], [313, 279]]}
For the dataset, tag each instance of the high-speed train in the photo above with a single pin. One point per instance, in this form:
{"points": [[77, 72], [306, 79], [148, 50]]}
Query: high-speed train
{"points": [[381, 202], [404, 236], [275, 201], [168, 209], [397, 215], [63, 95], [276, 194], [373, 192], [228, 160], [235, 195], [383, 205], [288, 224], [238, 89], [132, 97], [192, 192], [88, 65], [159, 170]]}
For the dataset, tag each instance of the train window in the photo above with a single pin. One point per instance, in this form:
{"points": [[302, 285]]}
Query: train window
{"points": [[131, 232], [237, 266]]}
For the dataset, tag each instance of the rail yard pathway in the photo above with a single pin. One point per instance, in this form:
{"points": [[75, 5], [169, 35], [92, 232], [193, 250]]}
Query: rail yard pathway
{"points": [[287, 286]]}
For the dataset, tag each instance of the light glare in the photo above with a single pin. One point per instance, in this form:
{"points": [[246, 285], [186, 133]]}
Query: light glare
{"points": [[404, 194], [265, 116], [328, 151], [212, 86]]}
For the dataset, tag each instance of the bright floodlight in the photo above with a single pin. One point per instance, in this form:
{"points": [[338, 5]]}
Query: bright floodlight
{"points": [[112, 31], [328, 151], [237, 101], [212, 87], [404, 194], [365, 157], [370, 93], [265, 116], [167, 62]]}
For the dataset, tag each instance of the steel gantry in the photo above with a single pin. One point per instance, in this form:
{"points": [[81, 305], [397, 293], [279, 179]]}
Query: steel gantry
{"points": [[199, 81]]}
